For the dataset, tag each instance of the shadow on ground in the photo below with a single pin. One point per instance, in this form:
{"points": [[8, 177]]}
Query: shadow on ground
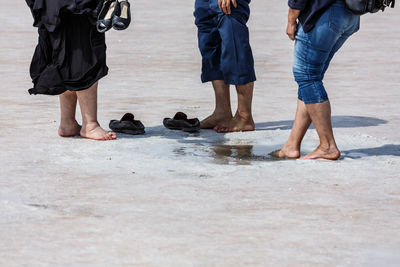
{"points": [[210, 144], [386, 150], [337, 121]]}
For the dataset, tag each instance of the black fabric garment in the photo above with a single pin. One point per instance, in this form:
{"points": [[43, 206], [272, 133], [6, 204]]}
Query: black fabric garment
{"points": [[311, 11], [48, 13], [71, 54]]}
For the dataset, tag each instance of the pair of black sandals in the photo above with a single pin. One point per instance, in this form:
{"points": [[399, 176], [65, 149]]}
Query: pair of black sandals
{"points": [[114, 14], [128, 124]]}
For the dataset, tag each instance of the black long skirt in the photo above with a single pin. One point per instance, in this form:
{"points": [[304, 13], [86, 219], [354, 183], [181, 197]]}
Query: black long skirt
{"points": [[71, 54]]}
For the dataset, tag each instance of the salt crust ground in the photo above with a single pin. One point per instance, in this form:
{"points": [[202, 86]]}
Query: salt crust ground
{"points": [[174, 199]]}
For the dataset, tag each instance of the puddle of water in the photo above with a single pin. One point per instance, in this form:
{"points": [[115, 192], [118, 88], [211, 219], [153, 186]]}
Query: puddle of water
{"points": [[240, 154], [228, 154]]}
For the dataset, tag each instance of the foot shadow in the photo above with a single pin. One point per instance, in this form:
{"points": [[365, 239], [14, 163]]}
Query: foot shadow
{"points": [[386, 150], [204, 136], [337, 122], [214, 138]]}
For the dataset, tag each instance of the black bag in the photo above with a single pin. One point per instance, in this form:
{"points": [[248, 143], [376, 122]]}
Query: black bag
{"points": [[361, 7]]}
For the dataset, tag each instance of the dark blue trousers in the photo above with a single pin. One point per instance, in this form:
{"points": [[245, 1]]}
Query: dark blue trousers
{"points": [[224, 42]]}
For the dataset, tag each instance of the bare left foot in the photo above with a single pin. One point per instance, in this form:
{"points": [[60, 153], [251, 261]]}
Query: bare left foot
{"points": [[69, 129], [286, 153], [95, 132], [236, 124], [214, 119], [332, 153]]}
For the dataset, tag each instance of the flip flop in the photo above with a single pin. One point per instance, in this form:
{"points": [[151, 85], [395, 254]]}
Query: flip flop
{"points": [[127, 125], [181, 122]]}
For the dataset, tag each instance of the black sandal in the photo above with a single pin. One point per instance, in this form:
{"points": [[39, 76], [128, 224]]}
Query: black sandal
{"points": [[106, 15], [122, 17], [127, 125], [181, 122]]}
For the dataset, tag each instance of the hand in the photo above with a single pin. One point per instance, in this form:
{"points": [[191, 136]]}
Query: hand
{"points": [[291, 30], [225, 5]]}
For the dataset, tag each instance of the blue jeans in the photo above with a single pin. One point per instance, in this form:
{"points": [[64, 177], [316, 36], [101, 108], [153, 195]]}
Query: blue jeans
{"points": [[314, 50], [224, 42]]}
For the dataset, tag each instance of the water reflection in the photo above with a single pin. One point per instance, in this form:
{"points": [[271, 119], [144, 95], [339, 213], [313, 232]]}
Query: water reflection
{"points": [[227, 154], [240, 154]]}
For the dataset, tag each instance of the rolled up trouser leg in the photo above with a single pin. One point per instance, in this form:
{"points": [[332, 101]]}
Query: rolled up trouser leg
{"points": [[308, 75], [224, 43], [315, 49]]}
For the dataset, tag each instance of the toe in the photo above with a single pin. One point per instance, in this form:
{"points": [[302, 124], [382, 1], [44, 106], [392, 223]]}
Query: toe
{"points": [[112, 136], [218, 129]]}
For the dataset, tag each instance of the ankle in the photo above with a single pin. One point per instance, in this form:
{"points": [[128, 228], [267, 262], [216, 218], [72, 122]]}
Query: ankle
{"points": [[222, 112], [291, 146], [244, 115], [90, 124], [68, 121], [328, 146]]}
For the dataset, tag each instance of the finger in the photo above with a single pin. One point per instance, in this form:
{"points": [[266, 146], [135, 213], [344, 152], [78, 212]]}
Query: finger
{"points": [[224, 8], [234, 3], [228, 7], [293, 35], [220, 4], [289, 35]]}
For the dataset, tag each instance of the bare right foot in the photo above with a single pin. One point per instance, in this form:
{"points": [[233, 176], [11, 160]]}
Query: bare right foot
{"points": [[331, 153], [214, 119], [95, 132], [286, 152], [69, 129]]}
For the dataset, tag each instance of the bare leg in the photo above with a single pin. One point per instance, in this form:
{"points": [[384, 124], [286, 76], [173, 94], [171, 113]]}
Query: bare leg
{"points": [[320, 114], [243, 120], [68, 125], [223, 111], [302, 122], [90, 126]]}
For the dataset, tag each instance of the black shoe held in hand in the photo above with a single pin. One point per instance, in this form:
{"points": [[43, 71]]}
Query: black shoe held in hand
{"points": [[106, 15], [122, 17]]}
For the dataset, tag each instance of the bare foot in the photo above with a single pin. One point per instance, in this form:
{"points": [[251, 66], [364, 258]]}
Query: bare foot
{"points": [[286, 152], [236, 124], [69, 129], [214, 119], [332, 153], [95, 132]]}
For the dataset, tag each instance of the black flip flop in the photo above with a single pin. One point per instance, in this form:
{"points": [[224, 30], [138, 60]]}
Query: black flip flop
{"points": [[181, 122], [127, 125]]}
